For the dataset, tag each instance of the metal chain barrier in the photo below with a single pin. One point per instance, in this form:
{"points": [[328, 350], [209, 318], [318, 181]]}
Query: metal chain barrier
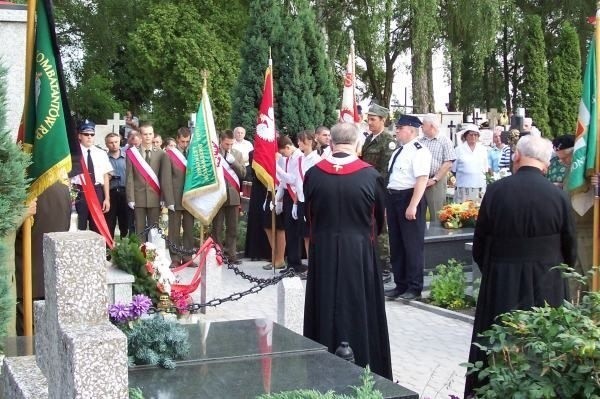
{"points": [[261, 283]]}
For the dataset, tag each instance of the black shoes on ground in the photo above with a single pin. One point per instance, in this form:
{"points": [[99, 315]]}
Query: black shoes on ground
{"points": [[395, 293]]}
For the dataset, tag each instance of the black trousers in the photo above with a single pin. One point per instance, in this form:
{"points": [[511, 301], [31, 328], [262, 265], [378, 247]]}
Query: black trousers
{"points": [[119, 212], [407, 241], [84, 218], [293, 235]]}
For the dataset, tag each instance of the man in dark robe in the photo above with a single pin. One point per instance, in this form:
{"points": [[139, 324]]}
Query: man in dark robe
{"points": [[524, 229], [344, 292]]}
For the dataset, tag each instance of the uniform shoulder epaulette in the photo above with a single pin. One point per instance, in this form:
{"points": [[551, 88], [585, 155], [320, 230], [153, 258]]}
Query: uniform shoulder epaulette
{"points": [[418, 145]]}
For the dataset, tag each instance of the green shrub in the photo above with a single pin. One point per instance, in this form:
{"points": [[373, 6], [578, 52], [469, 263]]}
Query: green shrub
{"points": [[127, 256], [448, 286], [544, 352]]}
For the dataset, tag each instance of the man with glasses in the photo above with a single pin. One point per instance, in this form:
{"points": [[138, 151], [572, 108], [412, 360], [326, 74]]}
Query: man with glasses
{"points": [[99, 169]]}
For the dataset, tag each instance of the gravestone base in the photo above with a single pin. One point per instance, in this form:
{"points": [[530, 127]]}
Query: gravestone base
{"points": [[22, 379]]}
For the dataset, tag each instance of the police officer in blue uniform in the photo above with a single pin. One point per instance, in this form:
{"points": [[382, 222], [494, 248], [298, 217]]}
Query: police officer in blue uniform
{"points": [[408, 172]]}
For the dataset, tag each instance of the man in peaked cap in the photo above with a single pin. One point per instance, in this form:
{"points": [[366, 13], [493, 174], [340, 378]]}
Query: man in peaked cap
{"points": [[99, 169], [376, 151], [408, 173]]}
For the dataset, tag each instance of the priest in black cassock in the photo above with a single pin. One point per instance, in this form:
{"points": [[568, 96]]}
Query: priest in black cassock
{"points": [[344, 291], [524, 229]]}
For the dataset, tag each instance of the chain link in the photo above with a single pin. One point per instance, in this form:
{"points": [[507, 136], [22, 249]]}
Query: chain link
{"points": [[261, 283]]}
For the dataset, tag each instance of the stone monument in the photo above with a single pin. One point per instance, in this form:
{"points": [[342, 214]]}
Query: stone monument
{"points": [[79, 353]]}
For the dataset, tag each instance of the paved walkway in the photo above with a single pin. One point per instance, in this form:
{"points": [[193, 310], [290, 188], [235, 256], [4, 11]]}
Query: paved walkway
{"points": [[426, 348]]}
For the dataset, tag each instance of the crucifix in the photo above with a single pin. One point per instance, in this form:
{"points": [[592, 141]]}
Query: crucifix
{"points": [[476, 117], [115, 123], [337, 168], [451, 126]]}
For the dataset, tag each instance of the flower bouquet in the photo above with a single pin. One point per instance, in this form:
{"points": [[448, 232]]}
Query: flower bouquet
{"points": [[455, 216]]}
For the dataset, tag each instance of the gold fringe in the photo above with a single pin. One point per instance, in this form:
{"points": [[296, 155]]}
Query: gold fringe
{"points": [[56, 173]]}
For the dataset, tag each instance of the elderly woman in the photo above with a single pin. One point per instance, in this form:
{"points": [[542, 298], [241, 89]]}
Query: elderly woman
{"points": [[470, 166]]}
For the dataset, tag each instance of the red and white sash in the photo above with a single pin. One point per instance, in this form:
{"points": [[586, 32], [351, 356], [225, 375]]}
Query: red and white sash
{"points": [[300, 169], [177, 158], [229, 174], [289, 188], [145, 170]]}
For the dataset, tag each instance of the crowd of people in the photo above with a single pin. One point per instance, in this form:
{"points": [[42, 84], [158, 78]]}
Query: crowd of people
{"points": [[355, 203]]}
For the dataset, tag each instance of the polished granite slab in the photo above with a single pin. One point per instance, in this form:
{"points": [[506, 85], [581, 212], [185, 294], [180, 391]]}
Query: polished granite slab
{"points": [[243, 378], [442, 244]]}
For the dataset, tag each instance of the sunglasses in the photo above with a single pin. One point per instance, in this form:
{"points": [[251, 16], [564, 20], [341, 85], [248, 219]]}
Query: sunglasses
{"points": [[88, 134]]}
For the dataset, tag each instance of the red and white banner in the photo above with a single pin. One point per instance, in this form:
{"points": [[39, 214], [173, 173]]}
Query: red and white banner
{"points": [[145, 170], [348, 110]]}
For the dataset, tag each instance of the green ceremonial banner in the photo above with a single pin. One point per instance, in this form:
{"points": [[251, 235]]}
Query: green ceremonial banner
{"points": [[204, 190], [584, 153], [44, 131]]}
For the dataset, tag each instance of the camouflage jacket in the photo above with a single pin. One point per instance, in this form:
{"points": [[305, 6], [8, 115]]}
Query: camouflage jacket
{"points": [[377, 151]]}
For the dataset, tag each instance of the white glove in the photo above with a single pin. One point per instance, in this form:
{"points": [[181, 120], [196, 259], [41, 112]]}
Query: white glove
{"points": [[162, 204], [171, 208], [131, 205], [295, 211], [279, 208], [230, 158]]}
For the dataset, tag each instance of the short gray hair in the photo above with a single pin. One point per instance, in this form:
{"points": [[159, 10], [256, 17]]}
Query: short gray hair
{"points": [[535, 147], [431, 118], [344, 133]]}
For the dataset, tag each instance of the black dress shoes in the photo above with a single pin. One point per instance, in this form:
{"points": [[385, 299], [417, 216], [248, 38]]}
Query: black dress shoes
{"points": [[393, 293], [409, 296]]}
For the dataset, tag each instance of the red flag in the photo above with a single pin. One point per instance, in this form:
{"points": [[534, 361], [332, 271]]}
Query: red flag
{"points": [[348, 110], [89, 194], [265, 146]]}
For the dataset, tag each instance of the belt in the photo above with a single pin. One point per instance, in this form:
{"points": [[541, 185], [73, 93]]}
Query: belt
{"points": [[118, 189], [80, 186], [392, 191]]}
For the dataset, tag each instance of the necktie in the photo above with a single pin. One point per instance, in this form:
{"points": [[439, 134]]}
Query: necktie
{"points": [[393, 162], [90, 166], [148, 156], [185, 153]]}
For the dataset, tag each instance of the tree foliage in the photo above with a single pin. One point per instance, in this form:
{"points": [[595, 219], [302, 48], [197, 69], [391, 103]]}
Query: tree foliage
{"points": [[534, 88], [305, 95], [564, 92], [13, 190]]}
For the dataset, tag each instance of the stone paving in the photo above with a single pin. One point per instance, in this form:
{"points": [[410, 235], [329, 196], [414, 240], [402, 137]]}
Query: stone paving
{"points": [[426, 348]]}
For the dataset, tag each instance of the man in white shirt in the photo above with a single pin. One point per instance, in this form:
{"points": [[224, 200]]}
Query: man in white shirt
{"points": [[99, 169], [408, 173], [244, 147]]}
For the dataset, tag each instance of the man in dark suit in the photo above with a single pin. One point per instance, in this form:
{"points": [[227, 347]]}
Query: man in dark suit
{"points": [[234, 171], [178, 215], [147, 175], [524, 229]]}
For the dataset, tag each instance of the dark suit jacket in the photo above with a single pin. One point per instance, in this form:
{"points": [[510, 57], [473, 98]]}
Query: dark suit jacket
{"points": [[138, 190]]}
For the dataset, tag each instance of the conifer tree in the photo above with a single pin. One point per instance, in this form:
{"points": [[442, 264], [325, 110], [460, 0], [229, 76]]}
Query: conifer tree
{"points": [[564, 73], [534, 88], [13, 186], [326, 93], [263, 32]]}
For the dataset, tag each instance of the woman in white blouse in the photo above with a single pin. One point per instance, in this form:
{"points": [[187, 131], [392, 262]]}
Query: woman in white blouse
{"points": [[310, 157], [470, 166]]}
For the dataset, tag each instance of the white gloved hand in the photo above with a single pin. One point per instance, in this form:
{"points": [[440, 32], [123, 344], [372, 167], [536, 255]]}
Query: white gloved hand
{"points": [[271, 205], [131, 205], [162, 204], [171, 208], [279, 208], [295, 211], [230, 158]]}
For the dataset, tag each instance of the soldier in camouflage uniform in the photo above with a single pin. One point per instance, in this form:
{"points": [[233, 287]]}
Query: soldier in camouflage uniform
{"points": [[376, 150]]}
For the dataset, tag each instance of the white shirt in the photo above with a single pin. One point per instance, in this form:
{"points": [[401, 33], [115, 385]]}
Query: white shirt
{"points": [[414, 160], [470, 166], [290, 173], [101, 162], [305, 162], [244, 147]]}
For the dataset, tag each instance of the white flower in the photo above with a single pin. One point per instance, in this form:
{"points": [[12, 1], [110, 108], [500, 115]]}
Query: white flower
{"points": [[163, 274]]}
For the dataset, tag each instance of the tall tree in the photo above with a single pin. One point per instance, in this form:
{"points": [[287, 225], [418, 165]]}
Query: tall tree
{"points": [[564, 73], [423, 29], [534, 88], [263, 33], [174, 43]]}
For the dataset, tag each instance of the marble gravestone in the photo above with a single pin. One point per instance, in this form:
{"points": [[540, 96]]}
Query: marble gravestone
{"points": [[79, 353]]}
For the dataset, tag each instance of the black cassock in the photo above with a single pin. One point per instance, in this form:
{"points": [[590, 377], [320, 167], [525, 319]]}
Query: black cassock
{"points": [[257, 243], [344, 290], [524, 229]]}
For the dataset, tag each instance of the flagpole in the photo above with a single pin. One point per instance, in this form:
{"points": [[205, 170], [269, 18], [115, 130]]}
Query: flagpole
{"points": [[26, 230], [273, 229], [595, 251]]}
